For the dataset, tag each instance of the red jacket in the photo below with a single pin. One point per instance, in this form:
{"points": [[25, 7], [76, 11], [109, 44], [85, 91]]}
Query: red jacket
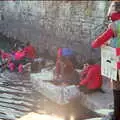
{"points": [[93, 79], [105, 36], [58, 67], [30, 52], [19, 55], [5, 55], [59, 53]]}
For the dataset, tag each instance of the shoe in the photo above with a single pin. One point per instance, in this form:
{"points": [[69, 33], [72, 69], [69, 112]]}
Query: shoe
{"points": [[101, 90]]}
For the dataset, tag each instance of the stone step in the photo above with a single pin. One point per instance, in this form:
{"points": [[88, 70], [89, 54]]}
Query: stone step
{"points": [[98, 101]]}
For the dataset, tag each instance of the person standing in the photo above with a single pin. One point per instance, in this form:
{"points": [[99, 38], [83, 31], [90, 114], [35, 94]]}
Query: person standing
{"points": [[113, 31], [30, 51]]}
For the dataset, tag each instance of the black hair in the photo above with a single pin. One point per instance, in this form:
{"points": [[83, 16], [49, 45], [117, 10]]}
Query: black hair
{"points": [[117, 6], [28, 43], [91, 61], [21, 47], [63, 58]]}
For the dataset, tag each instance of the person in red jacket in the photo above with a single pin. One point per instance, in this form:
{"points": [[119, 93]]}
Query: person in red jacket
{"points": [[30, 51], [20, 54], [5, 57], [109, 33], [89, 82], [18, 61], [113, 31]]}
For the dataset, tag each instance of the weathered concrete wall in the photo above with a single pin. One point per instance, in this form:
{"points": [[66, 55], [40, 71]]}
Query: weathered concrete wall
{"points": [[53, 24]]}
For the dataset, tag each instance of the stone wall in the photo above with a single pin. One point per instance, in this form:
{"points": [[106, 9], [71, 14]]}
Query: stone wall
{"points": [[52, 24]]}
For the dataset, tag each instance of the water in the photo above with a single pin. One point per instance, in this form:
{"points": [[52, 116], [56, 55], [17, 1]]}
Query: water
{"points": [[17, 98]]}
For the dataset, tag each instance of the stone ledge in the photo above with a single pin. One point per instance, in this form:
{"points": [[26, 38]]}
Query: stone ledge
{"points": [[94, 101], [98, 100]]}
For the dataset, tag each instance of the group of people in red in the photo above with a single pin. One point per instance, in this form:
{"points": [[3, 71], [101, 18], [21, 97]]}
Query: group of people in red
{"points": [[88, 80], [17, 58]]}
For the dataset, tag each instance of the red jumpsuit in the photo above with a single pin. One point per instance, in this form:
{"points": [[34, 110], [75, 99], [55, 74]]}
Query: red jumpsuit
{"points": [[30, 52]]}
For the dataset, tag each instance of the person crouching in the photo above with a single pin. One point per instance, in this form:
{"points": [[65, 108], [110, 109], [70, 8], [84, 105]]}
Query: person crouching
{"points": [[67, 74], [91, 78], [18, 61]]}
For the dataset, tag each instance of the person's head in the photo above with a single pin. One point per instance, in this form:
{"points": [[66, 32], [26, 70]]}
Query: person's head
{"points": [[63, 59], [113, 11], [20, 48], [2, 51], [117, 6], [28, 43], [12, 50], [91, 62]]}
